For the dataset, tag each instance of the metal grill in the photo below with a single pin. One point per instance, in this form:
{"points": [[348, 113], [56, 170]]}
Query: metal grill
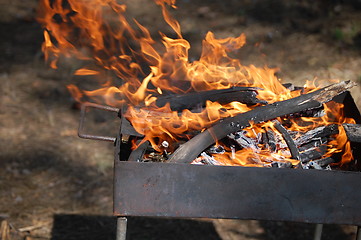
{"points": [[193, 191]]}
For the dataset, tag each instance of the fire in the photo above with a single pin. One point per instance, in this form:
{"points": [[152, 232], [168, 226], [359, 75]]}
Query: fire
{"points": [[80, 28], [98, 33], [264, 157], [165, 124]]}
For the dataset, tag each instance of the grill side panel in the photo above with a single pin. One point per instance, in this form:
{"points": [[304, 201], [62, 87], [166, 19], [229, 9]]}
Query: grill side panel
{"points": [[183, 190]]}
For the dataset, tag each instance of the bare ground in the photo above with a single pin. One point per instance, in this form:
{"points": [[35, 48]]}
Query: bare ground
{"points": [[54, 185]]}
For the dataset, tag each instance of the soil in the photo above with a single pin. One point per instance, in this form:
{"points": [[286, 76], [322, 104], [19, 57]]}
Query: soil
{"points": [[54, 185]]}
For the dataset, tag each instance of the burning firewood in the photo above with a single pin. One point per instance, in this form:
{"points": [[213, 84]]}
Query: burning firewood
{"points": [[187, 152], [317, 133], [323, 162], [222, 97], [288, 139], [315, 149], [246, 95], [312, 144]]}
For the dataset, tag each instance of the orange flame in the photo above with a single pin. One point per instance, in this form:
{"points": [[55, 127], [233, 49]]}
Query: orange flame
{"points": [[98, 33], [81, 29]]}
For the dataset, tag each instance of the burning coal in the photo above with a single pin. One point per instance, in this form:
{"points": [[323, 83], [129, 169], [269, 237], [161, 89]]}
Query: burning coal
{"points": [[170, 99]]}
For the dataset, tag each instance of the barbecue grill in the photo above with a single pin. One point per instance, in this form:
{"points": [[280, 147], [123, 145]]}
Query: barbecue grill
{"points": [[193, 191]]}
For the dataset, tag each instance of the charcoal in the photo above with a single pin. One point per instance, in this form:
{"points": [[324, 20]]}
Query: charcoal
{"points": [[325, 161], [216, 150], [316, 112], [272, 144], [314, 165], [353, 132], [317, 133], [243, 140], [288, 139], [264, 139], [281, 164], [208, 160], [313, 144], [313, 153]]}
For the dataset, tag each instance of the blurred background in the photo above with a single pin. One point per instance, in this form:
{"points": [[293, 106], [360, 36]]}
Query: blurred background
{"points": [[54, 185]]}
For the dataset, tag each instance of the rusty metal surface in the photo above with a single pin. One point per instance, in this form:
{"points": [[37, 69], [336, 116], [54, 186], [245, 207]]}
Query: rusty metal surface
{"points": [[183, 190]]}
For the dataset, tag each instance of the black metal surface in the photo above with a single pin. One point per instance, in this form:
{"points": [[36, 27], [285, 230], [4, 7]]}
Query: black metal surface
{"points": [[351, 111], [183, 190]]}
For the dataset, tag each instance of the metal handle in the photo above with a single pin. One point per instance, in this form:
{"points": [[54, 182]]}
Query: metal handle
{"points": [[81, 134]]}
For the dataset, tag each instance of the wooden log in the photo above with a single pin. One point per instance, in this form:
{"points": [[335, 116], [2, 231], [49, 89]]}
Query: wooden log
{"points": [[312, 154], [322, 164], [317, 133], [325, 161], [313, 144], [288, 139], [271, 141], [187, 152], [353, 132], [316, 112], [246, 95]]}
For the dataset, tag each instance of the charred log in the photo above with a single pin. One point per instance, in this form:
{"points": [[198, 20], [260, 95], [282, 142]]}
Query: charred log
{"points": [[246, 95], [281, 164], [271, 141], [313, 144], [317, 133], [316, 112], [321, 164], [187, 152], [313, 153], [216, 150], [353, 132], [288, 139], [324, 161]]}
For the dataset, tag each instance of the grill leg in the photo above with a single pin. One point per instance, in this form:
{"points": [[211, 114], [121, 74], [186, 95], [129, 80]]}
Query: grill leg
{"points": [[121, 228], [358, 235], [318, 232]]}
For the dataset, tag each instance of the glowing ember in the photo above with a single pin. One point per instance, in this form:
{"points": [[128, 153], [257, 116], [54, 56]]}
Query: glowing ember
{"points": [[98, 33]]}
